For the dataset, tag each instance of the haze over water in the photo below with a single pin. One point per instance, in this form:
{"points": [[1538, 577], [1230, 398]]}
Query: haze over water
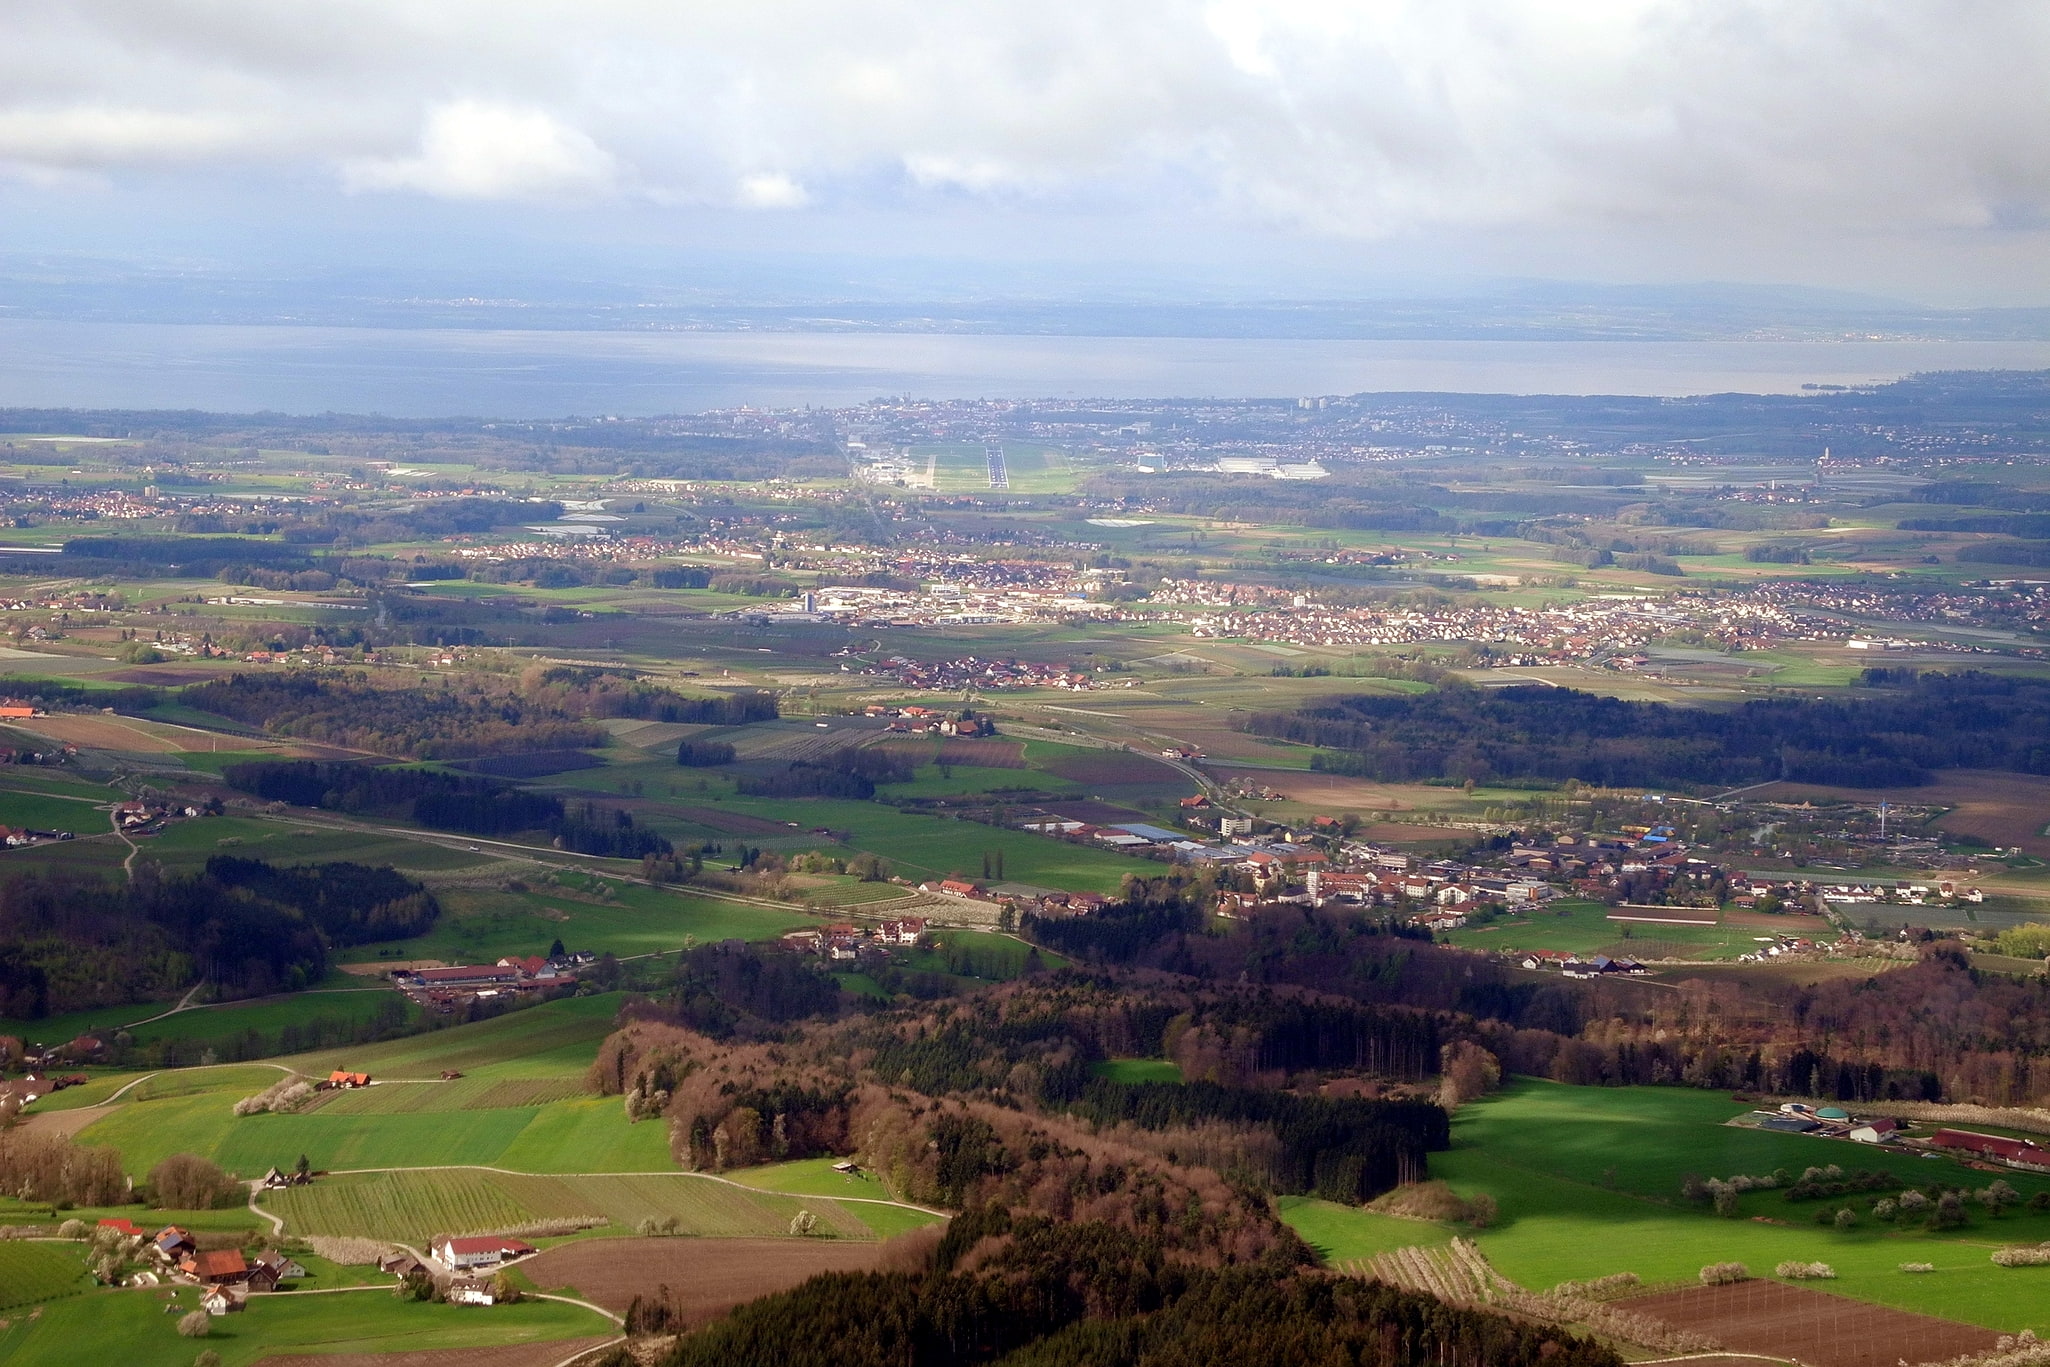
{"points": [[446, 372]]}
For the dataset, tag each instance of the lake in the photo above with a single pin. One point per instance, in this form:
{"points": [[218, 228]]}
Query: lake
{"points": [[448, 372]]}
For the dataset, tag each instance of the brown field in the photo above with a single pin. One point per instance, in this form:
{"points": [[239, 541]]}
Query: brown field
{"points": [[704, 1277], [1998, 807], [168, 676], [1335, 793], [543, 1354], [1793, 923], [739, 823], [970, 753], [1811, 1327], [110, 733], [1395, 833], [1781, 972]]}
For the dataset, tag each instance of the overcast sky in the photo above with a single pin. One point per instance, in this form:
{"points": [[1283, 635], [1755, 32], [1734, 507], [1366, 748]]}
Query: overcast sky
{"points": [[1272, 147]]}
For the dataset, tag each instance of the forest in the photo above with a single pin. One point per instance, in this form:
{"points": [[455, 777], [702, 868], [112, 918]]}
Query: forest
{"points": [[241, 928], [1892, 732], [1029, 1291]]}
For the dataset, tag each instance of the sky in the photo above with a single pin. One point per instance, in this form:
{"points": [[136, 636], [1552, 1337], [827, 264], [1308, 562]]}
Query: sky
{"points": [[1042, 148]]}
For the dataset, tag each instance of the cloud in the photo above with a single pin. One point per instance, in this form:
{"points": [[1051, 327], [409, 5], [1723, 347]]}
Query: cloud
{"points": [[772, 190], [1345, 118], [94, 136], [473, 150]]}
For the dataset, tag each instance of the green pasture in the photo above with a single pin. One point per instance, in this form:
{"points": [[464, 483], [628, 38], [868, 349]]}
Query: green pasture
{"points": [[479, 926], [812, 1177], [132, 1328], [1137, 1069], [50, 812], [1588, 1180], [338, 999], [932, 781], [39, 1272], [1341, 1234], [921, 847], [1582, 927], [554, 1039]]}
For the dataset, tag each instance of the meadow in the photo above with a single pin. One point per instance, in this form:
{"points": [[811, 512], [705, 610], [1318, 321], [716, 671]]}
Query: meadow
{"points": [[1582, 927], [1588, 1182], [39, 1272], [133, 1328]]}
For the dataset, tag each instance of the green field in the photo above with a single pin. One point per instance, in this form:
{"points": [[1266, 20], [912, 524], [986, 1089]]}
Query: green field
{"points": [[527, 1056], [1588, 1183], [481, 927], [1138, 1070], [416, 1205], [1343, 1234], [920, 847], [1582, 927], [39, 1272], [133, 1329]]}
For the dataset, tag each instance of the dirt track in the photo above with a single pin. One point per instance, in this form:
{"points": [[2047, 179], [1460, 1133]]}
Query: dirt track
{"points": [[1810, 1326], [704, 1277]]}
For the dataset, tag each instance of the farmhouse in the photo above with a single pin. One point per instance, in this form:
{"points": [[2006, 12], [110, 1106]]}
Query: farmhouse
{"points": [[470, 1291], [173, 1243], [468, 975], [2016, 1152], [225, 1300], [215, 1267], [341, 1078], [486, 1250], [400, 1265]]}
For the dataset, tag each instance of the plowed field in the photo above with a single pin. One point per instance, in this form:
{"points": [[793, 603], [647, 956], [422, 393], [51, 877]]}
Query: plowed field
{"points": [[703, 1277], [1821, 1330]]}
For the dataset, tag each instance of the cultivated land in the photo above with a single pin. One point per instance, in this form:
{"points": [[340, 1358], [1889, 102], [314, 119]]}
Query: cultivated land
{"points": [[1588, 1181]]}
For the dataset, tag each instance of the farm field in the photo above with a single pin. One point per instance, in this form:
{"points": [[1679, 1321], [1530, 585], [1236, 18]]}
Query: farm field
{"points": [[1341, 1234], [1811, 1326], [1138, 1070], [523, 1056], [480, 926], [1588, 1180], [39, 1272], [414, 1205], [921, 847], [702, 1279], [1581, 927], [132, 1328]]}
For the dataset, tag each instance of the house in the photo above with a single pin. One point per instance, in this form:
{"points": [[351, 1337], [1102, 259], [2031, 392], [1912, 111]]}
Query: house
{"points": [[470, 1291], [958, 887], [276, 1179], [225, 1300], [173, 1243], [216, 1266], [486, 1250], [1195, 804], [122, 1226], [902, 932], [468, 975], [273, 1267], [400, 1264], [1881, 1131], [803, 941], [341, 1078]]}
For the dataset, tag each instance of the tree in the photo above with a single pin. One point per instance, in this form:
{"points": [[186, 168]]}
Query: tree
{"points": [[196, 1324], [1846, 1220], [185, 1181], [207, 1358], [804, 1222], [304, 1167], [555, 950]]}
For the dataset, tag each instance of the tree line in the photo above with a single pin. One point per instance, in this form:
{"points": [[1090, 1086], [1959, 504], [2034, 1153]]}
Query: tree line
{"points": [[1891, 733]]}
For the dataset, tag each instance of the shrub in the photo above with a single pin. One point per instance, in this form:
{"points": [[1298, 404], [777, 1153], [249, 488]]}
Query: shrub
{"points": [[185, 1181], [72, 1229], [196, 1324], [1918, 1267], [1597, 1287], [703, 754], [1724, 1274], [1846, 1220], [1913, 1204], [1885, 1208], [2022, 1256], [664, 1227], [207, 1358], [1805, 1272], [804, 1222], [282, 1098]]}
